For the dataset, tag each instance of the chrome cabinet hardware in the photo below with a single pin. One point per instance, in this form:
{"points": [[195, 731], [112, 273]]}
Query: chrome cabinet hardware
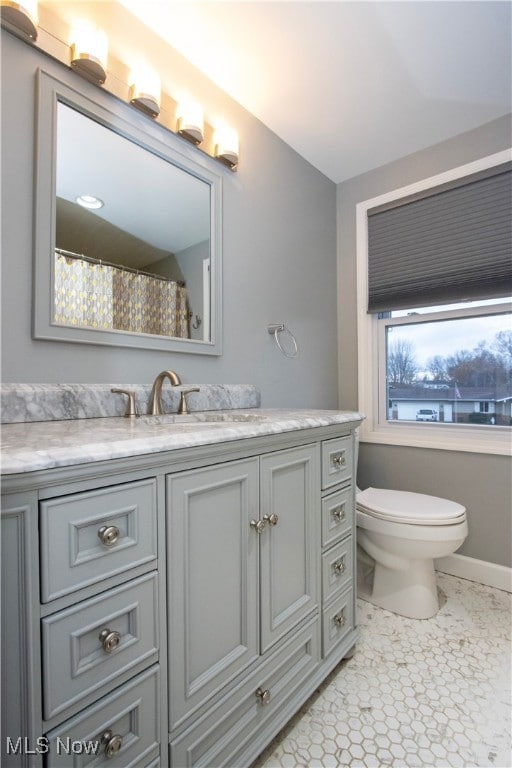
{"points": [[339, 566], [339, 460], [110, 640], [339, 619], [258, 525], [182, 408], [339, 512], [112, 743], [109, 535], [263, 695]]}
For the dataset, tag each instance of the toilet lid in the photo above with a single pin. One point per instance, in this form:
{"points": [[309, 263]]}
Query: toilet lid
{"points": [[408, 507]]}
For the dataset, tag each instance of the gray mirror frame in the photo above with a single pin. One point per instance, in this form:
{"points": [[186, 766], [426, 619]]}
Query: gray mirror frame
{"points": [[124, 120]]}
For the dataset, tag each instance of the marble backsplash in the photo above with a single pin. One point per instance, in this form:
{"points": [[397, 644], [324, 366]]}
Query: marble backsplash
{"points": [[57, 402]]}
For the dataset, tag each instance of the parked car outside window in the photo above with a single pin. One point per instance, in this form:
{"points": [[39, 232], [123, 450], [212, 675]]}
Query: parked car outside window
{"points": [[426, 414]]}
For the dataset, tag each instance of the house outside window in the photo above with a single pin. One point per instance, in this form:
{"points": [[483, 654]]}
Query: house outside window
{"points": [[439, 375]]}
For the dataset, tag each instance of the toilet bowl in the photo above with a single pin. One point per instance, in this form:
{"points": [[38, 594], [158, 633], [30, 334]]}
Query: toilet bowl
{"points": [[399, 534]]}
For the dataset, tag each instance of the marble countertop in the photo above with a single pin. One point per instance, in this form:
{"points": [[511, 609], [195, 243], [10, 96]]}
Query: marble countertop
{"points": [[27, 447]]}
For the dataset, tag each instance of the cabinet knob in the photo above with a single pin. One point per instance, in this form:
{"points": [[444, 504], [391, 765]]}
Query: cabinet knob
{"points": [[339, 460], [110, 640], [112, 743], [109, 535], [271, 519], [339, 513], [263, 695], [339, 566], [259, 525], [339, 619]]}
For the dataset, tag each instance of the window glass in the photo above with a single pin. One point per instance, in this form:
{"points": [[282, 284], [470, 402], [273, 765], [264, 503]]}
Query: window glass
{"points": [[450, 371]]}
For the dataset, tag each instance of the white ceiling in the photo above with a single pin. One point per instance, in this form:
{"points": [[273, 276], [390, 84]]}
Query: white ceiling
{"points": [[349, 85]]}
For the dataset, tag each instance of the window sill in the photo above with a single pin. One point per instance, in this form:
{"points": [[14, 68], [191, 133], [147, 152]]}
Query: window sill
{"points": [[441, 437]]}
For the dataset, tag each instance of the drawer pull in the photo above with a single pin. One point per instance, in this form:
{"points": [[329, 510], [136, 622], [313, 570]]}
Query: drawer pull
{"points": [[109, 535], [339, 513], [338, 460], [259, 525], [271, 519], [112, 743], [109, 640], [339, 566], [263, 695], [339, 619]]}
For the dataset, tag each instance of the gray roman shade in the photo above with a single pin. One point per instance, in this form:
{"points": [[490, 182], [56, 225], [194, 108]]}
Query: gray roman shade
{"points": [[444, 245]]}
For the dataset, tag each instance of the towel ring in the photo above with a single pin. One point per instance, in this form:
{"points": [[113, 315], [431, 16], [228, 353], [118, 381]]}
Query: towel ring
{"points": [[274, 330]]}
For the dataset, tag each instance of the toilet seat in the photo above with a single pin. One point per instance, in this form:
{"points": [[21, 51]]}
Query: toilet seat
{"points": [[410, 508]]}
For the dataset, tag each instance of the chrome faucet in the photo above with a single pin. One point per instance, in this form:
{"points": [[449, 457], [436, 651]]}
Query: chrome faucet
{"points": [[155, 401]]}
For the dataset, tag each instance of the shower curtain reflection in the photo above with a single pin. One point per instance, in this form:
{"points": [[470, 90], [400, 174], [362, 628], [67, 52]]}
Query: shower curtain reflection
{"points": [[103, 296]]}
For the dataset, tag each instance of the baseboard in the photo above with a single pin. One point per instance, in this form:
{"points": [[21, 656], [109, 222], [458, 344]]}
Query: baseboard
{"points": [[498, 576]]}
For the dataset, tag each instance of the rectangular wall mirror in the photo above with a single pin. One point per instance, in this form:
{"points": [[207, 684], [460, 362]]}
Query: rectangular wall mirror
{"points": [[127, 232]]}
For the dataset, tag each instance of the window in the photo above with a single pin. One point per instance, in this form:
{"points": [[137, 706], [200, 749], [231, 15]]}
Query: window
{"points": [[448, 364], [439, 375]]}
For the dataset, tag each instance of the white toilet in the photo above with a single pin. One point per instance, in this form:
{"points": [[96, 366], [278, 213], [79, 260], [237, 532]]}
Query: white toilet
{"points": [[399, 534]]}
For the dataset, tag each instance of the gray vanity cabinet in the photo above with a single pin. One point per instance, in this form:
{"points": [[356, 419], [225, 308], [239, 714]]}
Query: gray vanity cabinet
{"points": [[177, 608], [243, 567]]}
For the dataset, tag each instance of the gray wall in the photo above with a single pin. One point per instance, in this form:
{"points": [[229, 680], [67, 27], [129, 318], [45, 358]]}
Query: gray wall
{"points": [[279, 266], [481, 482], [279, 235]]}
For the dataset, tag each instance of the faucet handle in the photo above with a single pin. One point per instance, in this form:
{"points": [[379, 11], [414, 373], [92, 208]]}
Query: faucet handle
{"points": [[131, 405], [183, 400]]}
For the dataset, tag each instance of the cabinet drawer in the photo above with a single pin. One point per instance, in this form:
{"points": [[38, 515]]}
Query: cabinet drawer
{"points": [[337, 621], [87, 647], [87, 537], [336, 461], [336, 569], [337, 516], [226, 731], [130, 713]]}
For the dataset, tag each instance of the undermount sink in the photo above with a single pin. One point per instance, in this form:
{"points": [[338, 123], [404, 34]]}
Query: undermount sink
{"points": [[220, 417], [189, 421]]}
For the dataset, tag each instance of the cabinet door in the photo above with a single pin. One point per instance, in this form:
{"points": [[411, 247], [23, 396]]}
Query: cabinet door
{"points": [[289, 545], [212, 580]]}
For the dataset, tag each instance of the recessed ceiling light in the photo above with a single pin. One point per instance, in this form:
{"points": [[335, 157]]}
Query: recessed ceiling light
{"points": [[89, 201]]}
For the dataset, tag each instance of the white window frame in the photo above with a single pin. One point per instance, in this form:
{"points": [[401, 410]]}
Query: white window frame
{"points": [[371, 345]]}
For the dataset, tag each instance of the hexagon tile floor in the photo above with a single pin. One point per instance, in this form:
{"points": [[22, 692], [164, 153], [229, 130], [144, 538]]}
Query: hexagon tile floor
{"points": [[417, 693]]}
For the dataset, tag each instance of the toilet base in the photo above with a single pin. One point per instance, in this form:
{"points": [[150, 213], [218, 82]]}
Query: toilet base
{"points": [[409, 592]]}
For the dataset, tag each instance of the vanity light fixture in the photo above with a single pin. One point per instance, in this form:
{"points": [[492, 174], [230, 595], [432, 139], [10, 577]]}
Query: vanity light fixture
{"points": [[145, 91], [22, 17], [89, 201], [190, 122], [89, 50], [226, 146]]}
